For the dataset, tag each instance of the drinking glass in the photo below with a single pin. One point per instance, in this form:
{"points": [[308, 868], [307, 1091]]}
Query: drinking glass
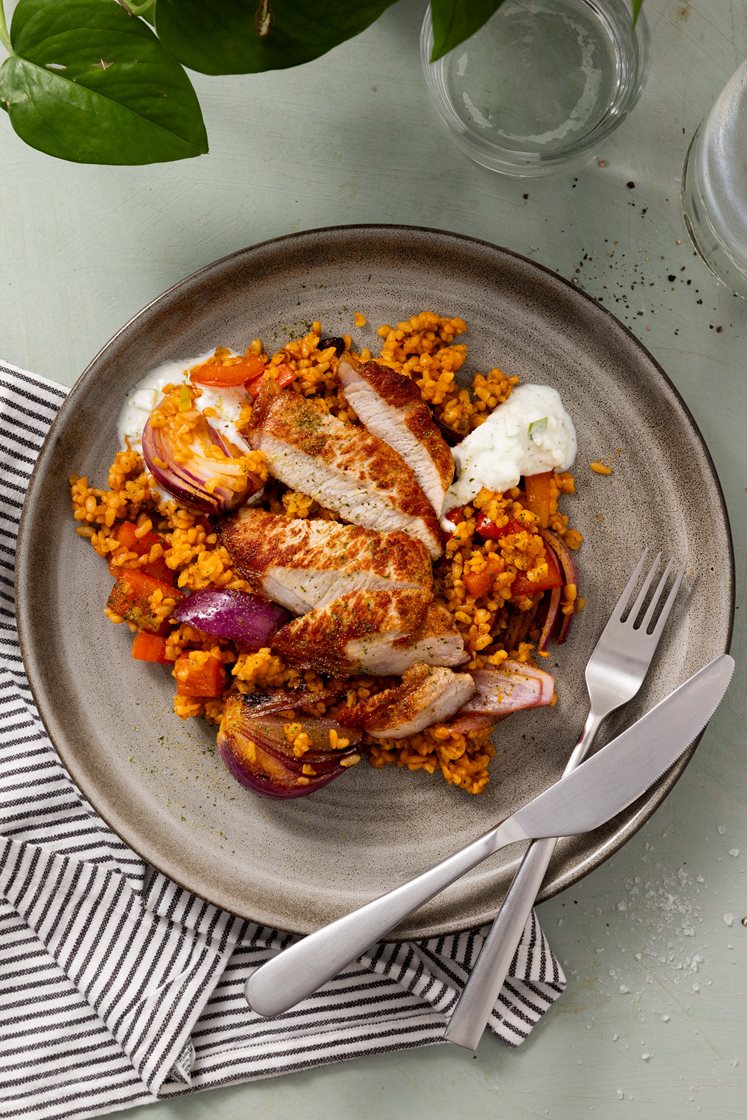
{"points": [[714, 185], [542, 83]]}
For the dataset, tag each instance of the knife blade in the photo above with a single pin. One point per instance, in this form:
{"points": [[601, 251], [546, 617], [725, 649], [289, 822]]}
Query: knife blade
{"points": [[600, 788]]}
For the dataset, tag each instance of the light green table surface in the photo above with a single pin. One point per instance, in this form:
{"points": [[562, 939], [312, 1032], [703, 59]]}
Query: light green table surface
{"points": [[654, 1020]]}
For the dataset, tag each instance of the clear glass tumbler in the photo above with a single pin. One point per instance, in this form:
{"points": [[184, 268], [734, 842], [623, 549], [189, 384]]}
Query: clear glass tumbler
{"points": [[542, 83], [714, 185]]}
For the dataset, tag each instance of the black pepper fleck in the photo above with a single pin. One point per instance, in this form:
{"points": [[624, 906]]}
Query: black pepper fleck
{"points": [[630, 185]]}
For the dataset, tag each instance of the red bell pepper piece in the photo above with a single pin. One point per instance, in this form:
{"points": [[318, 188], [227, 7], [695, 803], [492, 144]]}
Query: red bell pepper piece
{"points": [[522, 586]]}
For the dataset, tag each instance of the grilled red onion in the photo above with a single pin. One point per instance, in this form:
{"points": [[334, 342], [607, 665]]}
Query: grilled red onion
{"points": [[551, 617], [570, 575], [258, 755], [237, 616], [208, 485]]}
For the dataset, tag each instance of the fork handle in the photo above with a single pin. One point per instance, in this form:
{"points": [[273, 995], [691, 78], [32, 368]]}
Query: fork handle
{"points": [[488, 975]]}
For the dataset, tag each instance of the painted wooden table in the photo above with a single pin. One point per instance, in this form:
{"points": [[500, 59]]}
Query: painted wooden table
{"points": [[654, 1021]]}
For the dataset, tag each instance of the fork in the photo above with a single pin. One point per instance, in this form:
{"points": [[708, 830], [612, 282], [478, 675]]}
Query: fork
{"points": [[614, 674]]}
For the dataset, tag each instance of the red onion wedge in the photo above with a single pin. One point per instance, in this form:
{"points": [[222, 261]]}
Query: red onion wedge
{"points": [[287, 700], [236, 616], [510, 687], [551, 617], [570, 575], [258, 754], [206, 482]]}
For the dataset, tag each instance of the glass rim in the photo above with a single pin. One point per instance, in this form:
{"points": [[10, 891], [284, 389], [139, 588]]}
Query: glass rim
{"points": [[513, 161]]}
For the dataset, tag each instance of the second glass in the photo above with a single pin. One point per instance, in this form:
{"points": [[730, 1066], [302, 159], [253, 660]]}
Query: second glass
{"points": [[714, 185], [542, 83]]}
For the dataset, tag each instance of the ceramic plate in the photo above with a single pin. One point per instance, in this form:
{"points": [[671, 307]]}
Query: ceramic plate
{"points": [[158, 781]]}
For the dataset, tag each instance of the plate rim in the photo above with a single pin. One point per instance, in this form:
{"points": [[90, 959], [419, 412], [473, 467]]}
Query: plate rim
{"points": [[22, 575]]}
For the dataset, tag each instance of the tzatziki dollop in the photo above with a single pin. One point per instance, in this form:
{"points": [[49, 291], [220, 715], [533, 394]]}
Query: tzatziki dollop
{"points": [[529, 434], [226, 403]]}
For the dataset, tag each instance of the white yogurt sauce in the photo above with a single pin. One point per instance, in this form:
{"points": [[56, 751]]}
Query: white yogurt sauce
{"points": [[227, 401], [530, 433]]}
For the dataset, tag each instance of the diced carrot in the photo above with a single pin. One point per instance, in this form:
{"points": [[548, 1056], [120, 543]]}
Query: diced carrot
{"points": [[158, 568], [478, 583], [522, 586], [206, 679], [539, 493], [149, 647], [129, 598]]}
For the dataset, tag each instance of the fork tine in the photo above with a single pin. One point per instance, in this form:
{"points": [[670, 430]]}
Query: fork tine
{"points": [[619, 608], [668, 604], [655, 598], [641, 596]]}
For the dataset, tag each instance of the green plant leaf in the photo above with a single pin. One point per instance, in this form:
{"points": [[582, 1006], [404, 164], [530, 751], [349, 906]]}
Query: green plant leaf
{"points": [[637, 5], [222, 36], [454, 21], [92, 84]]}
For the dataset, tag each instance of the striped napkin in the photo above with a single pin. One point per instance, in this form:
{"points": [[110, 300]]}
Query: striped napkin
{"points": [[117, 987]]}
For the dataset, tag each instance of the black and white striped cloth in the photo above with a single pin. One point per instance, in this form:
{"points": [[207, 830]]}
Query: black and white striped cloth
{"points": [[118, 987]]}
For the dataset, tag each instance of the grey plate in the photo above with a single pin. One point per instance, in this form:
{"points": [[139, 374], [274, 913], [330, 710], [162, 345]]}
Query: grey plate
{"points": [[158, 781]]}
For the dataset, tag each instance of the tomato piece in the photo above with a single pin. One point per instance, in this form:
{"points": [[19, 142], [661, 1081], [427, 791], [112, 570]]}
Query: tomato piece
{"points": [[205, 679], [234, 370], [554, 578], [285, 375], [492, 532], [538, 489], [149, 647], [129, 598]]}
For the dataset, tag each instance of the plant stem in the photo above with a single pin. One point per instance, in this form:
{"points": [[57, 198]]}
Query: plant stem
{"points": [[4, 33]]}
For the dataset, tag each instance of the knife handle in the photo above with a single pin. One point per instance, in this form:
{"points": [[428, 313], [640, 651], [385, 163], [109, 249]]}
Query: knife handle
{"points": [[300, 970]]}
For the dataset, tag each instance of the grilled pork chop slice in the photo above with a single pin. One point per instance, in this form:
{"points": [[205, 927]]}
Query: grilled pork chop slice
{"points": [[436, 642], [391, 407], [342, 466], [354, 633], [305, 564], [428, 694]]}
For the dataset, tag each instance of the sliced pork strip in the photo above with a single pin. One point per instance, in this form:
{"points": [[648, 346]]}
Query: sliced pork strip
{"points": [[510, 687], [305, 564], [437, 642], [428, 694], [342, 466], [354, 633], [391, 407]]}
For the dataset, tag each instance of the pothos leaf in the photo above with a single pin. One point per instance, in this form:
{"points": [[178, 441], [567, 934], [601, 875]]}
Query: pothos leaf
{"points": [[89, 83], [454, 21], [247, 36]]}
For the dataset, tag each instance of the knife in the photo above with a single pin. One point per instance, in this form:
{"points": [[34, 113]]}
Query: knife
{"points": [[585, 799]]}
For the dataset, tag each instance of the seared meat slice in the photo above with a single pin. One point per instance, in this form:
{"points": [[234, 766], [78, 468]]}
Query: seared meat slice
{"points": [[342, 466], [427, 695], [354, 633], [305, 564], [437, 642], [391, 407], [510, 687]]}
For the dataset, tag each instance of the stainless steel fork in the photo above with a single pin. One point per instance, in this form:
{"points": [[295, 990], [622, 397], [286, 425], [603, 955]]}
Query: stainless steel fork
{"points": [[614, 674]]}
